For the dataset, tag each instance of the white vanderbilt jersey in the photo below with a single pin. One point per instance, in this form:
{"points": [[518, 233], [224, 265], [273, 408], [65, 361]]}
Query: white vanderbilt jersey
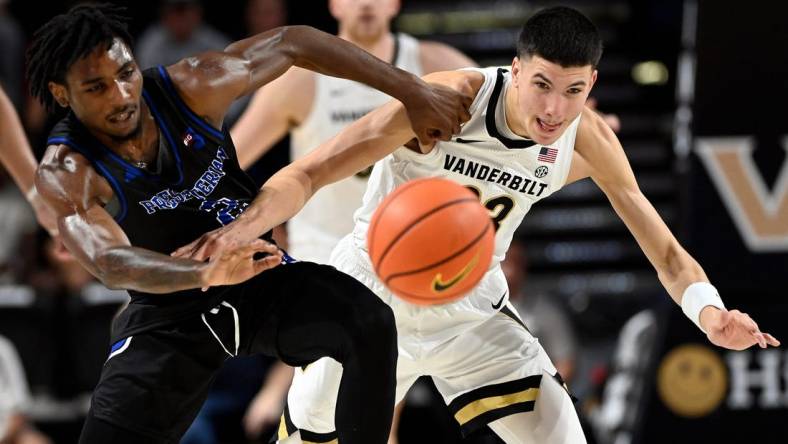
{"points": [[508, 172], [328, 216]]}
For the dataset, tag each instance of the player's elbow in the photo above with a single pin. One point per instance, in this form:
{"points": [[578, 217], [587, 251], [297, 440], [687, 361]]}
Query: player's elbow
{"points": [[293, 40], [106, 270]]}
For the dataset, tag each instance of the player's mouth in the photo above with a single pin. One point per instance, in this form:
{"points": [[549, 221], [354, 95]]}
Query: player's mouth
{"points": [[548, 128], [123, 116]]}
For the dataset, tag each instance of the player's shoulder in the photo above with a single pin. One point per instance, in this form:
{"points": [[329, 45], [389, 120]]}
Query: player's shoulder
{"points": [[63, 174], [466, 81], [59, 157], [437, 56], [593, 130]]}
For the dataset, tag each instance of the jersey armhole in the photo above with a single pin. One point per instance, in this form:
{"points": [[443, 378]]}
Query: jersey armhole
{"points": [[170, 89]]}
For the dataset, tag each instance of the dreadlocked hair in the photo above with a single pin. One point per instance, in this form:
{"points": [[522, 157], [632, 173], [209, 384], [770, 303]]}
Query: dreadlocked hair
{"points": [[67, 38]]}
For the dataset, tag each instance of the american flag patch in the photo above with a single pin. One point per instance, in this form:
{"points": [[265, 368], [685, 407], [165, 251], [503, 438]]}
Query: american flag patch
{"points": [[547, 154]]}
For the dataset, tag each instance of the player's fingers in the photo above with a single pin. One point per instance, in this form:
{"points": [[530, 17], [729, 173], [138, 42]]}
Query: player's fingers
{"points": [[266, 263], [465, 115], [760, 339], [424, 138], [184, 250], [774, 342]]}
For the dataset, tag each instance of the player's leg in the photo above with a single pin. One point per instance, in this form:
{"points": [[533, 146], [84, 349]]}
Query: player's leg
{"points": [[153, 385], [311, 402], [305, 311], [498, 374], [553, 420]]}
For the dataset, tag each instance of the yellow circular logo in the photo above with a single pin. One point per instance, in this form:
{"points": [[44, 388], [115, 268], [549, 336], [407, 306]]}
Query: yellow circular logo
{"points": [[692, 380]]}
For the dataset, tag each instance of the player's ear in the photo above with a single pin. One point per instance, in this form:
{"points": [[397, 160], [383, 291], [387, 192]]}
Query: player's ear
{"points": [[59, 92], [515, 71], [593, 79]]}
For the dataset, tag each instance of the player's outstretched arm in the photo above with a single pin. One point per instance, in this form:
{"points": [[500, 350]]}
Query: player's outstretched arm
{"points": [[17, 158], [358, 146], [210, 81], [74, 191], [599, 155]]}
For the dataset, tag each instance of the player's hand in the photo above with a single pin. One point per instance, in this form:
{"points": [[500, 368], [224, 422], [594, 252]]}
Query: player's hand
{"points": [[264, 411], [734, 330], [44, 215], [227, 237], [236, 264], [436, 112]]}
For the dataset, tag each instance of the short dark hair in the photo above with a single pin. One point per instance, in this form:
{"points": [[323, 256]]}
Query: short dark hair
{"points": [[561, 35], [67, 38]]}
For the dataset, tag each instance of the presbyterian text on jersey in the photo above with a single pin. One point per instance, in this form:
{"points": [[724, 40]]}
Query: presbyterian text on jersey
{"points": [[203, 187]]}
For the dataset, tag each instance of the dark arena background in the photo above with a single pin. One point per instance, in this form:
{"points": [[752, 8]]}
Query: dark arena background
{"points": [[700, 90]]}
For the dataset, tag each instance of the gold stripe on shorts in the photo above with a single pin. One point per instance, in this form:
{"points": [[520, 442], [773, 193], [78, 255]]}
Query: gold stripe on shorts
{"points": [[485, 405]]}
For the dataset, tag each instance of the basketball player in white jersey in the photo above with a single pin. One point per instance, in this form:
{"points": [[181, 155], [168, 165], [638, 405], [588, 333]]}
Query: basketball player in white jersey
{"points": [[529, 134], [314, 108]]}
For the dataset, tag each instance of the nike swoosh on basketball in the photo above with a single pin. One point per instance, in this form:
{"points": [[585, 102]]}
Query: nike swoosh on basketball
{"points": [[459, 140], [500, 301], [438, 285]]}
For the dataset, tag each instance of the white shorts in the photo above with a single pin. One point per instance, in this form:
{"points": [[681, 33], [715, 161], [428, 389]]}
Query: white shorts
{"points": [[489, 367]]}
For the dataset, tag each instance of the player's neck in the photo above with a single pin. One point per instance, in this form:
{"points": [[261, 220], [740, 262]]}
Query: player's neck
{"points": [[381, 46], [141, 148], [513, 118]]}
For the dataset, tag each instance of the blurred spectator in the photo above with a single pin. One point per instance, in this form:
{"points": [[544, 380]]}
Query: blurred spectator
{"points": [[12, 44], [14, 400], [262, 15], [545, 318], [616, 418], [180, 33], [17, 158], [16, 223]]}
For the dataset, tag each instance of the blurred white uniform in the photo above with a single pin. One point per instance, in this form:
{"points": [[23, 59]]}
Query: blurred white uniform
{"points": [[483, 361], [328, 216]]}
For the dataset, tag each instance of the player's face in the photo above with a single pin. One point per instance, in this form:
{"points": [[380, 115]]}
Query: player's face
{"points": [[549, 96], [364, 19], [103, 90]]}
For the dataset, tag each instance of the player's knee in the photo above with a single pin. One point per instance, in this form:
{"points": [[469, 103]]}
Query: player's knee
{"points": [[375, 320], [370, 326]]}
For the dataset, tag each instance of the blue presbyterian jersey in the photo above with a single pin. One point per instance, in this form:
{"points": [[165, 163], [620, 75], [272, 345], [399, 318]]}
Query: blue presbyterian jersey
{"points": [[198, 186]]}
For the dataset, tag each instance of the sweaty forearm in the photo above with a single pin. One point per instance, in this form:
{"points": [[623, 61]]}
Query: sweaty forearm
{"points": [[280, 198], [133, 268], [271, 53], [333, 56], [679, 271]]}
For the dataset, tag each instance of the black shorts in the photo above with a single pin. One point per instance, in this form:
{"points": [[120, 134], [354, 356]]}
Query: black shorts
{"points": [[154, 383]]}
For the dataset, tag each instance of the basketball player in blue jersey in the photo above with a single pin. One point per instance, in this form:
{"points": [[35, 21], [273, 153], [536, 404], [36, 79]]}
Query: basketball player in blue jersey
{"points": [[529, 135], [142, 164]]}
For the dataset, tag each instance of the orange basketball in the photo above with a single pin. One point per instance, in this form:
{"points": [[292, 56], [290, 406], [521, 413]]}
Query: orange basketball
{"points": [[430, 241]]}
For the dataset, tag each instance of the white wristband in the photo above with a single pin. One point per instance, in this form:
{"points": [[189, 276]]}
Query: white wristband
{"points": [[696, 297]]}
